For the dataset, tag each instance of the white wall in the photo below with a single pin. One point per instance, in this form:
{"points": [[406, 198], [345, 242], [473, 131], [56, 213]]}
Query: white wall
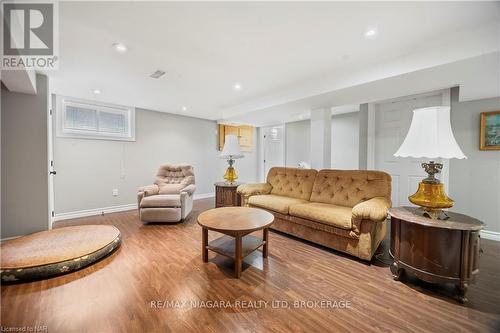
{"points": [[345, 141], [297, 144], [474, 182], [24, 204], [88, 170]]}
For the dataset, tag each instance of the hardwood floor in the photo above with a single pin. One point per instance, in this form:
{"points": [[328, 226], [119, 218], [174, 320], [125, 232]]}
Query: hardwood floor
{"points": [[163, 262]]}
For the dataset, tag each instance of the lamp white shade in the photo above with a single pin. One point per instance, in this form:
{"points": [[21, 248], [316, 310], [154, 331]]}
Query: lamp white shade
{"points": [[430, 135], [231, 148]]}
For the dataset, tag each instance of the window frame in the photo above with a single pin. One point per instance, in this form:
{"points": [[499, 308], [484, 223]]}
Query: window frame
{"points": [[63, 131]]}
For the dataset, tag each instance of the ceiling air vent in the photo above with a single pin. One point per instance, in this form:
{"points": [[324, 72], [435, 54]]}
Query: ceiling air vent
{"points": [[157, 74]]}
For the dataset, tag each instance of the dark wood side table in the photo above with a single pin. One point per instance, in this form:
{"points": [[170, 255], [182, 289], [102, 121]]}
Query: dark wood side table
{"points": [[436, 251], [226, 196]]}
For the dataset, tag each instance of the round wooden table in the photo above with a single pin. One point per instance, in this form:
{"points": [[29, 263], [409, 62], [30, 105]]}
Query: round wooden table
{"points": [[236, 223], [436, 251]]}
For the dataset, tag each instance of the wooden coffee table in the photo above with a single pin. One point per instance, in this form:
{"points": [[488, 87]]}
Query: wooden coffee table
{"points": [[236, 223]]}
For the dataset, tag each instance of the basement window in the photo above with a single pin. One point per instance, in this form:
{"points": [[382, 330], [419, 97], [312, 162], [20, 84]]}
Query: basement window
{"points": [[78, 119]]}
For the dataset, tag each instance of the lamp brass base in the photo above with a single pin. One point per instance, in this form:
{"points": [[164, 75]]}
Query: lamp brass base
{"points": [[432, 198], [230, 175]]}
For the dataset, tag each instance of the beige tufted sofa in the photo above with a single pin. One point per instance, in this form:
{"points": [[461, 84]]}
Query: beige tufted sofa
{"points": [[342, 209], [170, 198]]}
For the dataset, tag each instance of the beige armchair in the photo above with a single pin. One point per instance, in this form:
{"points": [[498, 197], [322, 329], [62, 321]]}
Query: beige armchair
{"points": [[170, 198]]}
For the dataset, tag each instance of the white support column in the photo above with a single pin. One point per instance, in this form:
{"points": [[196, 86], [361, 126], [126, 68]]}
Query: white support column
{"points": [[321, 138], [370, 160]]}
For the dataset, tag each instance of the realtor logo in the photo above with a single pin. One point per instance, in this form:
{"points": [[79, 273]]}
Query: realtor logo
{"points": [[29, 35]]}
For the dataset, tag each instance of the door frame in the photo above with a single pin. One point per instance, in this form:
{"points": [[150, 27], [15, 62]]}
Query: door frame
{"points": [[261, 156], [50, 157], [446, 101]]}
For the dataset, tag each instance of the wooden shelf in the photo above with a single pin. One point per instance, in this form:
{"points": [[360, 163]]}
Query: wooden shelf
{"points": [[244, 134], [225, 245]]}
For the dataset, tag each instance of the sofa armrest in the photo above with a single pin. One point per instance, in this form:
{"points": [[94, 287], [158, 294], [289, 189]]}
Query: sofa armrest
{"points": [[254, 189], [247, 190], [189, 189], [374, 209]]}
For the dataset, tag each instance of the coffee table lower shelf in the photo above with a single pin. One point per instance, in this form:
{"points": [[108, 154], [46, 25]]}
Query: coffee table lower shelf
{"points": [[226, 245]]}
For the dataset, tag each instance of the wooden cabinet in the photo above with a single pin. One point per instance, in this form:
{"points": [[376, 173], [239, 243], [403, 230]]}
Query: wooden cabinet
{"points": [[436, 251], [226, 196], [244, 134]]}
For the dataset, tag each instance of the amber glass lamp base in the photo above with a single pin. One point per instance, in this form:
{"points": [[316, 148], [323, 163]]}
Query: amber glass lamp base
{"points": [[230, 175], [432, 198]]}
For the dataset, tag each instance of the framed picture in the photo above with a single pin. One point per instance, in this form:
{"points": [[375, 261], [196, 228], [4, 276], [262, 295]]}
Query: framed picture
{"points": [[490, 131]]}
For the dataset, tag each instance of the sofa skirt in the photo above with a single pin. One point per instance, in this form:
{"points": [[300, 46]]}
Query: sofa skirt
{"points": [[362, 246]]}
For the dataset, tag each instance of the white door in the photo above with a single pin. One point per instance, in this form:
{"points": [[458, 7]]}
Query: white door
{"points": [[392, 122], [273, 147]]}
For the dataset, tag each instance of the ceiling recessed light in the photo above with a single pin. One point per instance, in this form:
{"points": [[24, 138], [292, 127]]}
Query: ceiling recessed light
{"points": [[119, 47], [371, 33], [97, 91], [184, 108], [237, 86]]}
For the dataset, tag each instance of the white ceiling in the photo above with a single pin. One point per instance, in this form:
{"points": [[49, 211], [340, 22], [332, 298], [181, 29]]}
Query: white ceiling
{"points": [[280, 52]]}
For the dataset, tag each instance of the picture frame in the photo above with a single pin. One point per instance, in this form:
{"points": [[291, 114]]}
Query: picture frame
{"points": [[490, 131]]}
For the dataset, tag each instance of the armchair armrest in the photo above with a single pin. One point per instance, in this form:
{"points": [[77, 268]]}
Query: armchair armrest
{"points": [[247, 190], [149, 190], [146, 191], [189, 189], [374, 209]]}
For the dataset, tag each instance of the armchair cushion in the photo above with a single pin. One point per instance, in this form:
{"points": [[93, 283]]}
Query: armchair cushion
{"points": [[161, 200], [170, 188], [179, 176], [248, 190]]}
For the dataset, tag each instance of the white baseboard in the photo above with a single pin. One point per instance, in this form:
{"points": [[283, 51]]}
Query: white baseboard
{"points": [[492, 235], [7, 238], [92, 212], [203, 196], [112, 209]]}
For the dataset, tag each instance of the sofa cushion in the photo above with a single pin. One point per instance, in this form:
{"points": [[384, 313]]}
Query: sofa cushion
{"points": [[275, 203], [161, 200], [350, 187], [292, 182], [338, 216]]}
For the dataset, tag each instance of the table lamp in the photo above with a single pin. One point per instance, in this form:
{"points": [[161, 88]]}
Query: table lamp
{"points": [[230, 152], [430, 136]]}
